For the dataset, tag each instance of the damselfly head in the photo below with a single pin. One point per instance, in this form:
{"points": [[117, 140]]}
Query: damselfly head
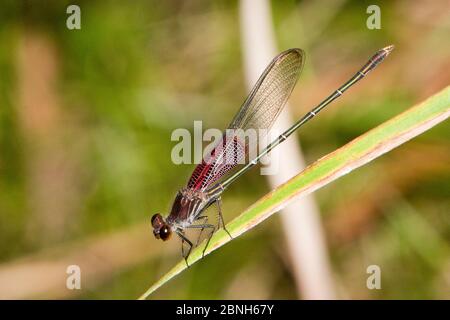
{"points": [[161, 230]]}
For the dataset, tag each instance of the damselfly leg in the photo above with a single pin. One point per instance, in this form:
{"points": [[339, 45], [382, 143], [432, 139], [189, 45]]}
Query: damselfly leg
{"points": [[221, 221], [203, 226], [184, 240], [204, 221]]}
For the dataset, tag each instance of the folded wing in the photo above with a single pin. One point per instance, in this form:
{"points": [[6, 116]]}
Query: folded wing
{"points": [[259, 111]]}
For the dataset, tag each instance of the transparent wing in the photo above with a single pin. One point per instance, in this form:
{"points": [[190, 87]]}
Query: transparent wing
{"points": [[271, 91], [259, 111]]}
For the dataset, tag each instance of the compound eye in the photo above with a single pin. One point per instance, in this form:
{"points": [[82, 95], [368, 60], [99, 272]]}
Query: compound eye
{"points": [[156, 219], [164, 233]]}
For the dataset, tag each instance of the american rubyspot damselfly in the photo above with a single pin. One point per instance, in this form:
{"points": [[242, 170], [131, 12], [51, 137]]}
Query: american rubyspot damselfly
{"points": [[259, 111]]}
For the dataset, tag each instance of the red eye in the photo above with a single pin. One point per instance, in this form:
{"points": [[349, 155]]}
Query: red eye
{"points": [[165, 233], [157, 220]]}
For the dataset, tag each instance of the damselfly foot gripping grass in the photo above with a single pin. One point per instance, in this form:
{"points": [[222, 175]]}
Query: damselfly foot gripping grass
{"points": [[259, 111]]}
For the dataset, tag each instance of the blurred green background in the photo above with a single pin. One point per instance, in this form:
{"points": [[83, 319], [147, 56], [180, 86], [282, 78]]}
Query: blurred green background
{"points": [[85, 152]]}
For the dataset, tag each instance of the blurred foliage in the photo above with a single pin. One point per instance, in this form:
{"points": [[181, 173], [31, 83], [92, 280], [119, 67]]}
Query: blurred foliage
{"points": [[138, 70]]}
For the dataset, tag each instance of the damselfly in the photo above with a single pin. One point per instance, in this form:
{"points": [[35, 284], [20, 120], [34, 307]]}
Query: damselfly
{"points": [[259, 111]]}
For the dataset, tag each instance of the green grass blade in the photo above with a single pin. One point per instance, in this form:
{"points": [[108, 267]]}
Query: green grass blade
{"points": [[354, 154]]}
